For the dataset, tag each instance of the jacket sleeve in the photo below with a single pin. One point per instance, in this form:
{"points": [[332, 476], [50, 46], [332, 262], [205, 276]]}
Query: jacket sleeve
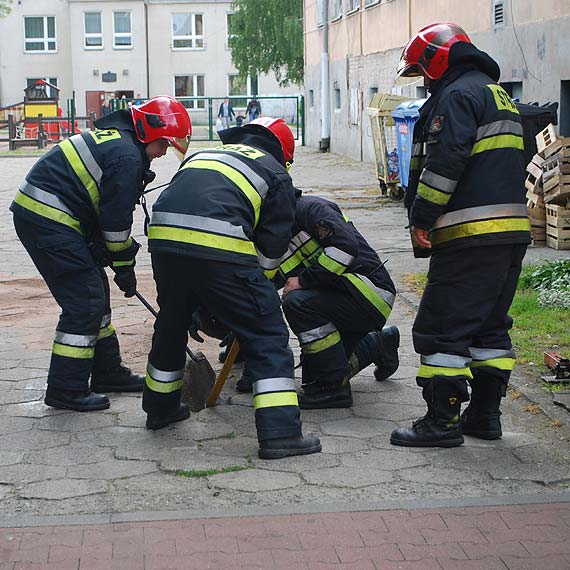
{"points": [[329, 228], [274, 230], [451, 135], [120, 185]]}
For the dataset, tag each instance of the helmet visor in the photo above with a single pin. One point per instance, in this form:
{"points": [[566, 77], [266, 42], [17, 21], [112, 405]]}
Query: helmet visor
{"points": [[179, 146]]}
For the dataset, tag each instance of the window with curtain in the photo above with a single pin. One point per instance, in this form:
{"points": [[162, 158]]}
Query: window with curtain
{"points": [[188, 86], [228, 28], [352, 5], [39, 32], [187, 31], [336, 9], [237, 86], [93, 37], [122, 32]]}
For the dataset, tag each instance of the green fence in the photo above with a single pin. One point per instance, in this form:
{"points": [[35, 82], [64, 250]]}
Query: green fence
{"points": [[203, 112]]}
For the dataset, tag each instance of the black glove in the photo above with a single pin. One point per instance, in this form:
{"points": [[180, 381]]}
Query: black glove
{"points": [[126, 280], [195, 326], [228, 340], [100, 253]]}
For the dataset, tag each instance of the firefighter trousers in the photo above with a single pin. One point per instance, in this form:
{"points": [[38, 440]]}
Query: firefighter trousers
{"points": [[329, 324], [85, 340], [462, 327], [244, 301]]}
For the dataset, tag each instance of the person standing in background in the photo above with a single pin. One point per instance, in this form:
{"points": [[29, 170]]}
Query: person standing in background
{"points": [[226, 113]]}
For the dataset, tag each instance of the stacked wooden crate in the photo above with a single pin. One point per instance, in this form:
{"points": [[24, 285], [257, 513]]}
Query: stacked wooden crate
{"points": [[535, 200]]}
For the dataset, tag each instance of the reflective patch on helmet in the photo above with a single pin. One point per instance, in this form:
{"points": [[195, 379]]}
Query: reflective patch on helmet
{"points": [[436, 125]]}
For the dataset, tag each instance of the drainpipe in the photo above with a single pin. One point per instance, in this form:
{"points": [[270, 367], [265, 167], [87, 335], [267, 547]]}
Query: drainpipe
{"points": [[147, 50], [324, 144]]}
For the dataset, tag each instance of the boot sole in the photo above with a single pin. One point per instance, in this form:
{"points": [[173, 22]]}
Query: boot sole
{"points": [[162, 423], [341, 404], [105, 389], [380, 377], [52, 403], [281, 453], [442, 443]]}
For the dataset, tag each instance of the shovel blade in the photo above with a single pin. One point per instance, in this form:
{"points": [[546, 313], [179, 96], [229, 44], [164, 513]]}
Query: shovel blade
{"points": [[199, 378]]}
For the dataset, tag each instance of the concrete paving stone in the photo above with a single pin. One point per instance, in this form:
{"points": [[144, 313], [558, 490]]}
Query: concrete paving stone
{"points": [[35, 409], [358, 427], [562, 399], [58, 489], [385, 411], [184, 459], [75, 422], [11, 457], [351, 477], [160, 485], [549, 562], [128, 436], [322, 554], [369, 390], [480, 459], [541, 454], [325, 415], [487, 564], [300, 463], [235, 446], [33, 384], [15, 374], [384, 460], [38, 362], [5, 491], [405, 395], [509, 440], [69, 455], [111, 469], [34, 439], [443, 476], [15, 425], [351, 554], [478, 551], [154, 452], [254, 480], [545, 473], [20, 396], [336, 445], [201, 426], [22, 474], [189, 545], [242, 420]]}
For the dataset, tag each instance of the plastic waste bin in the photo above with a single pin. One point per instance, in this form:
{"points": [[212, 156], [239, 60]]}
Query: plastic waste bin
{"points": [[405, 116]]}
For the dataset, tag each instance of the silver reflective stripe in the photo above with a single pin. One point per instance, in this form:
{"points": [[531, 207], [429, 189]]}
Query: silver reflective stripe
{"points": [[481, 213], [197, 223], [339, 256], [445, 360], [499, 128], [163, 375], [44, 197], [266, 385], [87, 157], [489, 353], [75, 339], [116, 236], [256, 180], [316, 334], [105, 321], [267, 262], [388, 296], [301, 239], [418, 149], [437, 181]]}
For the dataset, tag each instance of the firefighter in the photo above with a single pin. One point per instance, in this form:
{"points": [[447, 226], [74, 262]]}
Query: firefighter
{"points": [[467, 201], [337, 297], [73, 214], [227, 216]]}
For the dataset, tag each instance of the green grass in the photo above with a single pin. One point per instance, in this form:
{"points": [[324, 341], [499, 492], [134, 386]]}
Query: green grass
{"points": [[196, 473]]}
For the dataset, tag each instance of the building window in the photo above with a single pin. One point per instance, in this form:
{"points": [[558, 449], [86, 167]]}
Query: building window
{"points": [[40, 34], [187, 86], [93, 38], [337, 99], [352, 6], [336, 10], [498, 13], [370, 3], [237, 86], [320, 21], [311, 99], [229, 34], [122, 33], [50, 92], [187, 31], [513, 88]]}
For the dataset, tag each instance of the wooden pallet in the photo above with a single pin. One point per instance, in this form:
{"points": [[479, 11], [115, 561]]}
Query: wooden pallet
{"points": [[533, 183], [557, 243], [548, 143]]}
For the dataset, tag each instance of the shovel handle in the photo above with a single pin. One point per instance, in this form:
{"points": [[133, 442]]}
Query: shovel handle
{"points": [[223, 376]]}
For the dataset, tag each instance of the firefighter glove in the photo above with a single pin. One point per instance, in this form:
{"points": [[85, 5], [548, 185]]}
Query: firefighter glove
{"points": [[126, 280], [195, 326], [100, 253]]}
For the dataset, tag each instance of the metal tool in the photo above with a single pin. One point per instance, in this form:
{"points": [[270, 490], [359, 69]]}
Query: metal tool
{"points": [[559, 365]]}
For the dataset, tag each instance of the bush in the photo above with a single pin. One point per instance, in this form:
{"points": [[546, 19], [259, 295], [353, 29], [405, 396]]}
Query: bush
{"points": [[544, 276], [556, 295]]}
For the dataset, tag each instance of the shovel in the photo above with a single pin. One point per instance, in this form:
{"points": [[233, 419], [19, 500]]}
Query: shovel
{"points": [[199, 376]]}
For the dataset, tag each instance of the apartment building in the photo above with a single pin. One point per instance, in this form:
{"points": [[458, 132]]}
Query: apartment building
{"points": [[530, 40], [100, 49]]}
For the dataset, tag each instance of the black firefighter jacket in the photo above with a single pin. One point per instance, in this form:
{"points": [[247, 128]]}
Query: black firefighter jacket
{"points": [[467, 169], [90, 182]]}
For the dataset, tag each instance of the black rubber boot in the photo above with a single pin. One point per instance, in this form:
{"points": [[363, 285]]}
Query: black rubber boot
{"points": [[440, 427], [245, 384], [319, 397], [287, 446], [482, 417], [77, 401], [119, 379], [159, 422], [387, 362]]}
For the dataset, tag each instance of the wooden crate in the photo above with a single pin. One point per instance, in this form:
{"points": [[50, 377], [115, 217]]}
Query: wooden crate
{"points": [[548, 143], [557, 243], [556, 165], [557, 189], [558, 227], [533, 184], [534, 169]]}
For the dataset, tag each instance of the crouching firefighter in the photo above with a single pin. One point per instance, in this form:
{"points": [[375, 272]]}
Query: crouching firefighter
{"points": [[468, 209], [227, 216], [73, 214]]}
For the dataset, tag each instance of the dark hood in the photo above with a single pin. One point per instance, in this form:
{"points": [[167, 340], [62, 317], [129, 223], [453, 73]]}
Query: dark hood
{"points": [[253, 135]]}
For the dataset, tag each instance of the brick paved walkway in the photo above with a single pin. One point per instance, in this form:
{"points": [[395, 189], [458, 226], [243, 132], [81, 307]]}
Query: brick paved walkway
{"points": [[523, 537]]}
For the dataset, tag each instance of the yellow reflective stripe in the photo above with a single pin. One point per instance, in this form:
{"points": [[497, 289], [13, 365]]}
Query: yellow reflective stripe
{"points": [[116, 246], [73, 351], [322, 344], [499, 363], [202, 238], [82, 173], [163, 387], [105, 332], [427, 371], [270, 273], [331, 265], [47, 211], [372, 297], [499, 141], [294, 261], [236, 177], [479, 228], [432, 195], [417, 163], [275, 399], [123, 263]]}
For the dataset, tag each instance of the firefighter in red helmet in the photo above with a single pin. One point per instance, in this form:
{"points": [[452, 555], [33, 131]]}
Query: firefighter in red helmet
{"points": [[73, 213], [467, 209], [224, 220]]}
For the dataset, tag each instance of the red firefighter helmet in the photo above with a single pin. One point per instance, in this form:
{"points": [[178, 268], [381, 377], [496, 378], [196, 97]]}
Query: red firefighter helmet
{"points": [[163, 117], [427, 53], [279, 129]]}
